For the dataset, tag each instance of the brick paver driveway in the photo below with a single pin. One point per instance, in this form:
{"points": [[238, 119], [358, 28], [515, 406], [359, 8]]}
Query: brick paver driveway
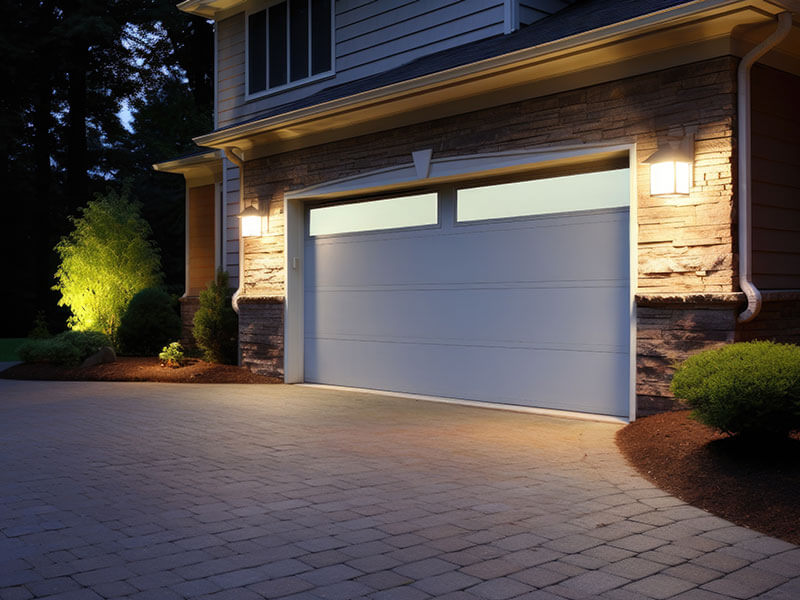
{"points": [[183, 491]]}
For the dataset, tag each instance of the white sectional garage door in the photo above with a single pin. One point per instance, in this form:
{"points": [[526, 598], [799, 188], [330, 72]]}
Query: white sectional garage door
{"points": [[515, 294]]}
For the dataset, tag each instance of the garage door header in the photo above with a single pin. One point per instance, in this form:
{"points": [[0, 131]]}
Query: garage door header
{"points": [[460, 168]]}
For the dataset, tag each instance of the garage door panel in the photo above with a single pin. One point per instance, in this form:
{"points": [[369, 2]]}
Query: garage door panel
{"points": [[527, 311], [584, 250], [556, 317], [508, 375]]}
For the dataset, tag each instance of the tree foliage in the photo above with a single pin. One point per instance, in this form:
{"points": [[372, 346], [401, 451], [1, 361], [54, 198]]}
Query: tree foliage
{"points": [[70, 67], [105, 261]]}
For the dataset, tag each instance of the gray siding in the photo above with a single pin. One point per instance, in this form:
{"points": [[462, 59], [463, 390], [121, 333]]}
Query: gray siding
{"points": [[371, 36], [776, 189]]}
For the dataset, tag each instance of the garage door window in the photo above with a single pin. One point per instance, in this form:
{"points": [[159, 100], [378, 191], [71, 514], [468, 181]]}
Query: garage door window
{"points": [[586, 191], [374, 215]]}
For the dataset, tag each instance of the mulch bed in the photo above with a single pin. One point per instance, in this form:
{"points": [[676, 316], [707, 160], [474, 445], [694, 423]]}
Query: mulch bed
{"points": [[128, 368], [755, 487]]}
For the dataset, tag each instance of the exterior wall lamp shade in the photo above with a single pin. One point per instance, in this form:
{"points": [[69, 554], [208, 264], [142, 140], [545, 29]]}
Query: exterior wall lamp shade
{"points": [[671, 169], [252, 221]]}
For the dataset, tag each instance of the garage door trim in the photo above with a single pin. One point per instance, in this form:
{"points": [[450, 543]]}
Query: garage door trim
{"points": [[295, 221]]}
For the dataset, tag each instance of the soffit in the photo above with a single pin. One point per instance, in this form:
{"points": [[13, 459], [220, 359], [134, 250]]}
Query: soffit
{"points": [[208, 8]]}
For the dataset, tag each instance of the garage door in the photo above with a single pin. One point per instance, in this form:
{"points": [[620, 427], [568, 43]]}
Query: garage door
{"points": [[514, 293]]}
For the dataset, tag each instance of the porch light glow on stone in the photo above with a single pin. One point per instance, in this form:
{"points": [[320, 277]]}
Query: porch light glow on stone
{"points": [[252, 221], [671, 169]]}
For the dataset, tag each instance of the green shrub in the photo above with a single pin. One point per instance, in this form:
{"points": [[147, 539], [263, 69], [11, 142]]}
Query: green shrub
{"points": [[216, 325], [172, 355], [751, 388], [53, 350], [68, 348], [149, 323]]}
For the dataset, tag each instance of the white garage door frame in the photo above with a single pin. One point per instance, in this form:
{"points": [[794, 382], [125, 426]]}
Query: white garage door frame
{"points": [[426, 171]]}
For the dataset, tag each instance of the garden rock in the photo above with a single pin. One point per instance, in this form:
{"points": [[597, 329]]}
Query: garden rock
{"points": [[106, 354]]}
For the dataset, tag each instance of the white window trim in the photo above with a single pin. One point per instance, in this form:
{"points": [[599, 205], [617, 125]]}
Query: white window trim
{"points": [[264, 5]]}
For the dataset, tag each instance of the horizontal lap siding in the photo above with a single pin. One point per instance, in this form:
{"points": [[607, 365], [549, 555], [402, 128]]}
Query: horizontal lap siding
{"points": [[776, 188], [370, 37]]}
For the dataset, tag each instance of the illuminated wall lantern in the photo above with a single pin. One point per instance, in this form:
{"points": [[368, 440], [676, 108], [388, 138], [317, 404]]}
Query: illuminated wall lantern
{"points": [[671, 169], [252, 220]]}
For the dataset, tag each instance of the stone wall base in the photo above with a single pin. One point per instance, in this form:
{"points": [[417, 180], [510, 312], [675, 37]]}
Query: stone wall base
{"points": [[670, 328], [189, 306], [261, 334]]}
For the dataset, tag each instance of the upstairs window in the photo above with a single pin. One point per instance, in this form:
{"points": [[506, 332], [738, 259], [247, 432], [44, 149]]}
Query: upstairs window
{"points": [[288, 42]]}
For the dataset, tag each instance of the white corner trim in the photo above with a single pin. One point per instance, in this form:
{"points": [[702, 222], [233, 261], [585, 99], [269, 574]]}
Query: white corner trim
{"points": [[441, 170], [422, 162]]}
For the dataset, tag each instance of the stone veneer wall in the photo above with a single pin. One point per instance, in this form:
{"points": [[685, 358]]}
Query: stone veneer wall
{"points": [[684, 247], [189, 306], [669, 329], [779, 319], [672, 328], [261, 334]]}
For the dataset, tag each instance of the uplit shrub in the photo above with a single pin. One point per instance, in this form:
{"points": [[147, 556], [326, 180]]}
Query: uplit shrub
{"points": [[172, 355], [216, 325], [68, 348], [104, 261], [149, 323], [751, 388]]}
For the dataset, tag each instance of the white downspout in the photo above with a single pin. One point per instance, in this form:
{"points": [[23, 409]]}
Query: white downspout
{"points": [[745, 176], [231, 155]]}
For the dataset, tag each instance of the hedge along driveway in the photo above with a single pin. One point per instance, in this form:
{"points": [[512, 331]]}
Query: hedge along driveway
{"points": [[181, 491]]}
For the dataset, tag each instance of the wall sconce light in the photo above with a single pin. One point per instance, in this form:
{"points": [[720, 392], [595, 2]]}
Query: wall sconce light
{"points": [[671, 168], [252, 220]]}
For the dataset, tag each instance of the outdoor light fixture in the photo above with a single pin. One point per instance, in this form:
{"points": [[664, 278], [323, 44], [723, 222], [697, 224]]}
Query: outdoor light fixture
{"points": [[252, 220], [671, 168]]}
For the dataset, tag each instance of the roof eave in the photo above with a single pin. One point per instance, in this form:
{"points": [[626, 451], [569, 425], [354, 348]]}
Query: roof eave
{"points": [[486, 68]]}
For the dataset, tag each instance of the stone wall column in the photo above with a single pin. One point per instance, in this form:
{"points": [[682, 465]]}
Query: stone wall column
{"points": [[189, 306], [261, 321], [670, 329]]}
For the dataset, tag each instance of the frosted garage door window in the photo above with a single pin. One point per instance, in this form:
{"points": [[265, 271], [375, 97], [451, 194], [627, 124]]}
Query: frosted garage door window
{"points": [[587, 191], [374, 215]]}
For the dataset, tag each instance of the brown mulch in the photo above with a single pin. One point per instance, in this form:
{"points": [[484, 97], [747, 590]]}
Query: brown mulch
{"points": [[755, 487], [130, 368]]}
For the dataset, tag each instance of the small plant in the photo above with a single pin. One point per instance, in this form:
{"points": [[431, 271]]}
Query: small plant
{"points": [[68, 348], [751, 388], [39, 331], [172, 355], [216, 325], [149, 323]]}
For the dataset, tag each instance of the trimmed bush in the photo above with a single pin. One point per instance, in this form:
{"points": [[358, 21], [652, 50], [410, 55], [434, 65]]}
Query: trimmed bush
{"points": [[68, 348], [216, 325], [149, 323], [751, 388]]}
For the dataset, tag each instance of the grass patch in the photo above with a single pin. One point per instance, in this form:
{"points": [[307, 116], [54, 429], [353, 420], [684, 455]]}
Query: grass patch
{"points": [[8, 348]]}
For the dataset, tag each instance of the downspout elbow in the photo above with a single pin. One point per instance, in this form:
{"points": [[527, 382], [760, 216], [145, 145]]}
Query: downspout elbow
{"points": [[230, 154], [744, 161]]}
